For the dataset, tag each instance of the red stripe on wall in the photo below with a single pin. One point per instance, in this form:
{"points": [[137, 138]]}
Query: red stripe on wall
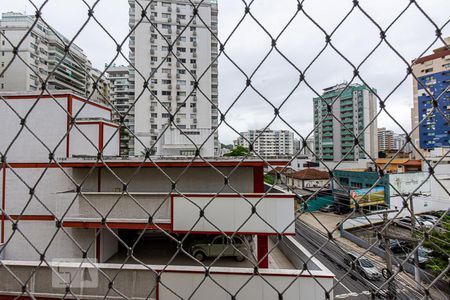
{"points": [[118, 225], [3, 202], [263, 248], [258, 179], [100, 137], [69, 116], [32, 217]]}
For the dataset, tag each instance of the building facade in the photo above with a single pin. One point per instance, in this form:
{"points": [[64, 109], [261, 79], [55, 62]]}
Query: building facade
{"points": [[386, 140], [80, 216], [433, 75], [42, 50], [355, 106], [122, 96], [176, 59], [268, 143]]}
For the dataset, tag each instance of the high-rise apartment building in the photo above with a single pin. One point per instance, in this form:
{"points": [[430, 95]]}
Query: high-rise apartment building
{"points": [[268, 143], [433, 77], [386, 140], [40, 53], [122, 97], [174, 75], [355, 107]]}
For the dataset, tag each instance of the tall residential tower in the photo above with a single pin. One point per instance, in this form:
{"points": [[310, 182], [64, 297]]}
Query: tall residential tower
{"points": [[355, 106], [173, 70], [433, 77], [42, 54]]}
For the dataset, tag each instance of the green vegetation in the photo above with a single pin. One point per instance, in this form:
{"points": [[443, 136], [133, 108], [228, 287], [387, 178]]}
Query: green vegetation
{"points": [[268, 179], [238, 151], [439, 241]]}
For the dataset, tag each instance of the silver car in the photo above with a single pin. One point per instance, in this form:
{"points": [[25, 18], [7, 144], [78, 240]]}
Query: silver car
{"points": [[363, 266], [220, 246]]}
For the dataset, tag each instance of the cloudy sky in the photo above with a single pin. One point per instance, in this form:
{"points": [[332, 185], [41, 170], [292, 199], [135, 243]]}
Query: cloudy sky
{"points": [[300, 42]]}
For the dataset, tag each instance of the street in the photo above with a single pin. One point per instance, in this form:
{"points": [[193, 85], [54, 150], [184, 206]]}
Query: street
{"points": [[351, 285]]}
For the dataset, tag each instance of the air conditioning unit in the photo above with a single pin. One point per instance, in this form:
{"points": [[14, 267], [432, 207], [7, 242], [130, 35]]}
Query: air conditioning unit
{"points": [[152, 51], [194, 54], [169, 75], [169, 8], [178, 64], [178, 86], [178, 9], [169, 97], [178, 42], [178, 75], [194, 43], [169, 30], [169, 86]]}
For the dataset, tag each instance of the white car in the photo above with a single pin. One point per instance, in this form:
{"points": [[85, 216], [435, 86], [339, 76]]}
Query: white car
{"points": [[429, 218], [419, 224]]}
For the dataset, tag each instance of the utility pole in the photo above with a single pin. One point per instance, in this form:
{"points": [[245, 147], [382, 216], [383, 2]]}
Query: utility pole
{"points": [[391, 295], [416, 253]]}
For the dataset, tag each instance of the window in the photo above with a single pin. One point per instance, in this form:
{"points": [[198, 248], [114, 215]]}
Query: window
{"points": [[181, 71], [153, 80], [193, 61], [181, 49], [165, 15], [2, 86], [193, 39], [166, 26], [154, 36], [165, 71], [181, 82], [181, 17], [166, 115], [166, 81], [154, 59], [154, 14], [165, 93], [165, 4], [193, 50], [154, 115], [154, 92], [181, 93]]}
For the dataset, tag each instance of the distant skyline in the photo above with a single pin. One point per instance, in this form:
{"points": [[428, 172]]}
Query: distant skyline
{"points": [[301, 41]]}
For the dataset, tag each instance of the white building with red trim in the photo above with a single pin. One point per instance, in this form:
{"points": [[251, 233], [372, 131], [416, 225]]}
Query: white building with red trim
{"points": [[83, 201]]}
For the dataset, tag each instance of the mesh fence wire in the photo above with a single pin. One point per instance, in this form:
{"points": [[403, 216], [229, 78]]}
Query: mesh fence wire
{"points": [[322, 240]]}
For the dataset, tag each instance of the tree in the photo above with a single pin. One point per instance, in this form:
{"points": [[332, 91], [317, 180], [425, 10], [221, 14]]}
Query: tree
{"points": [[237, 151]]}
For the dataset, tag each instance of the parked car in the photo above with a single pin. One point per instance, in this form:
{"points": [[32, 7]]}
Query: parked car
{"points": [[213, 247], [423, 256], [429, 218], [328, 208], [363, 266], [407, 223], [397, 246]]}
